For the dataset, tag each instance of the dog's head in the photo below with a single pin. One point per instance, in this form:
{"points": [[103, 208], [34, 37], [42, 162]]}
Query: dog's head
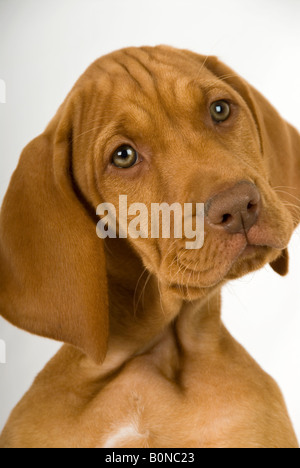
{"points": [[158, 125]]}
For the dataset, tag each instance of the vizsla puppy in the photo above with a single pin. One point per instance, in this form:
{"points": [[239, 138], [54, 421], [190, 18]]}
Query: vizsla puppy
{"points": [[147, 361]]}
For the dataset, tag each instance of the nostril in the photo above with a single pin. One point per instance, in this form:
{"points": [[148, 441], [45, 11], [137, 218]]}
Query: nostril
{"points": [[226, 218], [252, 207], [234, 210]]}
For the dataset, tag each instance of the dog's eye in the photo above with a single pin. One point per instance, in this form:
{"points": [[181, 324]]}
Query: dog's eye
{"points": [[220, 111], [125, 157]]}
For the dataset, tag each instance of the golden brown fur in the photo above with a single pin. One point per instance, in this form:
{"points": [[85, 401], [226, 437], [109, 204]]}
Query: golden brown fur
{"points": [[148, 362]]}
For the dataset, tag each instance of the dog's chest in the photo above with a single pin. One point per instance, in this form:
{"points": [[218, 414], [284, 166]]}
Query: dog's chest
{"points": [[160, 399]]}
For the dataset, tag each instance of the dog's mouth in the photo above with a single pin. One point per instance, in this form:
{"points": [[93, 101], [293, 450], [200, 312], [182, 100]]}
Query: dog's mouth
{"points": [[193, 275], [225, 255], [192, 279]]}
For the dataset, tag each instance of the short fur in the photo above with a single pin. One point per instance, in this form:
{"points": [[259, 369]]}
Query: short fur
{"points": [[147, 361]]}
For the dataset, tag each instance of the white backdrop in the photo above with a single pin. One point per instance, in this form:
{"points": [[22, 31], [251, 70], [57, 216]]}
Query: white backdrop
{"points": [[45, 46]]}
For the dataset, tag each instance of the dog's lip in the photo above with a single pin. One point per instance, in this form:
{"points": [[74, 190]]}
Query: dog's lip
{"points": [[251, 249], [191, 270], [264, 236], [247, 251], [182, 287], [187, 271]]}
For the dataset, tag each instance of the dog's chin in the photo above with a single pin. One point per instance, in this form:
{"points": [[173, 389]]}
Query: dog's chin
{"points": [[252, 258], [196, 285]]}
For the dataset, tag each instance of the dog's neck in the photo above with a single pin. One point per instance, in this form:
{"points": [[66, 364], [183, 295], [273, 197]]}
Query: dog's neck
{"points": [[143, 312]]}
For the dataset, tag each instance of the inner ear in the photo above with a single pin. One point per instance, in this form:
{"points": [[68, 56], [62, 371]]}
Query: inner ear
{"points": [[281, 264]]}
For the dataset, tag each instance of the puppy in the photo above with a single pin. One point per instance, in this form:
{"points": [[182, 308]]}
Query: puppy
{"points": [[147, 361]]}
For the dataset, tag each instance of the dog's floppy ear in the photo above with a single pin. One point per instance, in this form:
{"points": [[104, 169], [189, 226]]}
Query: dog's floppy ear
{"points": [[52, 267], [279, 142], [281, 264]]}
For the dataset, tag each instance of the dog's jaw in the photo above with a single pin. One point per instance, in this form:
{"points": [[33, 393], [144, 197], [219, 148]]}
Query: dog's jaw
{"points": [[151, 305]]}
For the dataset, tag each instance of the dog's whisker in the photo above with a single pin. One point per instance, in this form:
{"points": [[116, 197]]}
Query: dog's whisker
{"points": [[201, 68], [218, 79], [296, 207], [160, 298], [287, 193], [284, 187], [183, 274], [142, 295], [144, 289], [135, 306], [188, 282], [86, 132], [168, 252]]}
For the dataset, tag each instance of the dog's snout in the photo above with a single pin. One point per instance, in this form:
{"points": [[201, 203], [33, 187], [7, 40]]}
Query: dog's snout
{"points": [[234, 210]]}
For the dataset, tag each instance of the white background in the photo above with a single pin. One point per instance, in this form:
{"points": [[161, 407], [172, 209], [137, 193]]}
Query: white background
{"points": [[45, 46]]}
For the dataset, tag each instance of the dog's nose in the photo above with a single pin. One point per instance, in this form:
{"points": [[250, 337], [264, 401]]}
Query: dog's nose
{"points": [[234, 210]]}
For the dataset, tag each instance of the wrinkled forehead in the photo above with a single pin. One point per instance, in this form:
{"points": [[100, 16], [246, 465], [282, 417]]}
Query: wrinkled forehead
{"points": [[150, 95], [150, 68], [156, 82]]}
